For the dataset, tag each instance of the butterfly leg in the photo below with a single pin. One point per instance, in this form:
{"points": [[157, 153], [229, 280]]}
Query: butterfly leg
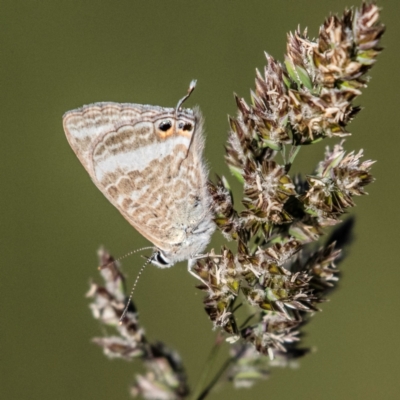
{"points": [[190, 265]]}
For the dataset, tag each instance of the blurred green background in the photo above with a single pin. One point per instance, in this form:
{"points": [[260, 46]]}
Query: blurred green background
{"points": [[59, 55]]}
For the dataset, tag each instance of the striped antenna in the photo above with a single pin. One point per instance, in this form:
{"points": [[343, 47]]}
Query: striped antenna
{"points": [[133, 289], [124, 256]]}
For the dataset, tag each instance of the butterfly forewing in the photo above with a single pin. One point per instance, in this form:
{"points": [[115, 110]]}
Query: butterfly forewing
{"points": [[147, 161]]}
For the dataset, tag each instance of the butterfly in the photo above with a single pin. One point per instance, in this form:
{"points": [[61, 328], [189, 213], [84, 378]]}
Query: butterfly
{"points": [[148, 162]]}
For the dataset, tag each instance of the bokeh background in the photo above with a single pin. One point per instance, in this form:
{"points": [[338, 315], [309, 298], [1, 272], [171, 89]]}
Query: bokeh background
{"points": [[59, 55]]}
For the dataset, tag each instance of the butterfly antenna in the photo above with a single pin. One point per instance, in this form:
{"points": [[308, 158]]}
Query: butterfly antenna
{"points": [[189, 92], [133, 289], [124, 256]]}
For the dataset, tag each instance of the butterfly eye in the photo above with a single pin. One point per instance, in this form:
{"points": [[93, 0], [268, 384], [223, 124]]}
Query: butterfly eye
{"points": [[165, 125], [161, 260]]}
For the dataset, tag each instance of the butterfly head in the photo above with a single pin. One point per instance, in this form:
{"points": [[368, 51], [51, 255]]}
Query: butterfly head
{"points": [[194, 243], [160, 259]]}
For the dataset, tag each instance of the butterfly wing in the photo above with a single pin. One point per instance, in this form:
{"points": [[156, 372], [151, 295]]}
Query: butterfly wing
{"points": [[147, 161]]}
